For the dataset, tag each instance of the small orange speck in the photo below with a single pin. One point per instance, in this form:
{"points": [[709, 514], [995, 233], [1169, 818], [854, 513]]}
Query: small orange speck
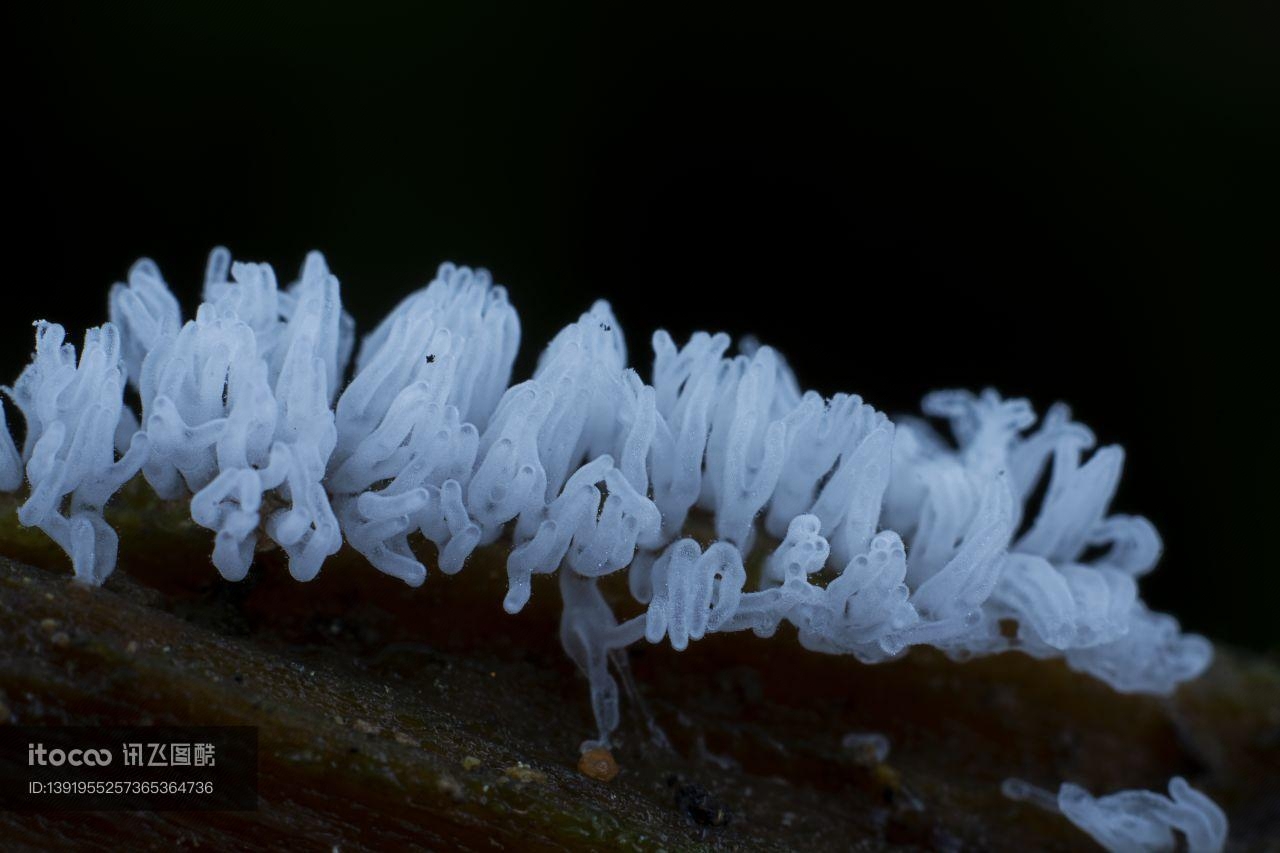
{"points": [[598, 764]]}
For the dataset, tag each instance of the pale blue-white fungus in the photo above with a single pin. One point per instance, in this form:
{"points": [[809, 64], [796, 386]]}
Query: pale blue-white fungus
{"points": [[406, 450], [1135, 821], [882, 535], [237, 403], [74, 412], [868, 747]]}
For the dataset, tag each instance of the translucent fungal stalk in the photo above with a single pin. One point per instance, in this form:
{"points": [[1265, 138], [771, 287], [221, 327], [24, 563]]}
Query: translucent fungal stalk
{"points": [[1130, 821]]}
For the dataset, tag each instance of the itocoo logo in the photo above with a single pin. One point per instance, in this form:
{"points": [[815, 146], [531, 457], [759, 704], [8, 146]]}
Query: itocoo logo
{"points": [[38, 755]]}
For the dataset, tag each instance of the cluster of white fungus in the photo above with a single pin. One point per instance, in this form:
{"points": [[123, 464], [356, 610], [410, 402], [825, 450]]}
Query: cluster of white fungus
{"points": [[1135, 821], [885, 535]]}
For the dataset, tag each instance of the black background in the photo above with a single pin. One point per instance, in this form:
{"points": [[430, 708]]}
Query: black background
{"points": [[1070, 205]]}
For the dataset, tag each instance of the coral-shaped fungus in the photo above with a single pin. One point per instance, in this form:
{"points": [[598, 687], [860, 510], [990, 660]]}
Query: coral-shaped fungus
{"points": [[884, 535]]}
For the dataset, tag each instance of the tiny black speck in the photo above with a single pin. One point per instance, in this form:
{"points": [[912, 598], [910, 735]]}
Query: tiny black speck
{"points": [[701, 807]]}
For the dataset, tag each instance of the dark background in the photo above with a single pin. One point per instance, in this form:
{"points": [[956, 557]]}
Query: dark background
{"points": [[1072, 205]]}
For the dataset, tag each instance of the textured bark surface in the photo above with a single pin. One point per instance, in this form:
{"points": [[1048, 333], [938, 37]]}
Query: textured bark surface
{"points": [[391, 717]]}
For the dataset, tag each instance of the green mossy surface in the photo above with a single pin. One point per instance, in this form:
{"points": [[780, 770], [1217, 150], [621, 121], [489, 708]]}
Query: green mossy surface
{"points": [[392, 717]]}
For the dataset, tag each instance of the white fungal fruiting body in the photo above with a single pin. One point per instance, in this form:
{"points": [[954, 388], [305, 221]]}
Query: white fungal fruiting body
{"points": [[1130, 821], [74, 416], [890, 536]]}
